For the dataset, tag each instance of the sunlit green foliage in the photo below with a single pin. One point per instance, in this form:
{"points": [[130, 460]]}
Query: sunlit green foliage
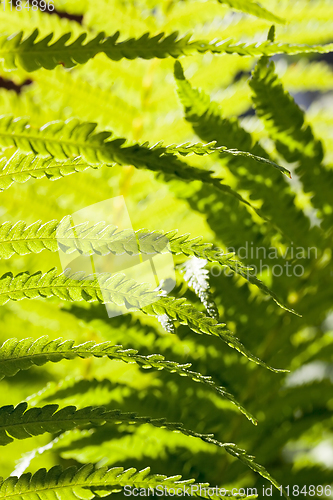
{"points": [[179, 108]]}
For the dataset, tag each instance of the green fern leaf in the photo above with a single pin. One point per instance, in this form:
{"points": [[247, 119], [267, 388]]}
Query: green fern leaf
{"points": [[186, 314], [102, 239], [295, 141], [252, 8], [16, 355], [117, 289], [71, 139], [206, 118], [19, 422], [32, 55], [79, 286], [288, 127], [22, 167], [88, 482]]}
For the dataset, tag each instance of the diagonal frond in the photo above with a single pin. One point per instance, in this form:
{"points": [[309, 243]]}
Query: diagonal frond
{"points": [[209, 123], [21, 422], [16, 51], [16, 355], [23, 167], [102, 238], [119, 290], [283, 118], [253, 8], [196, 274], [186, 314], [286, 124]]}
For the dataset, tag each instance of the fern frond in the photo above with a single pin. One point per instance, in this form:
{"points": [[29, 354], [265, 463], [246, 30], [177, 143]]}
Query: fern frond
{"points": [[197, 277], [83, 483], [243, 271], [89, 482], [295, 141], [102, 239], [132, 331], [16, 355], [22, 167], [208, 121], [96, 151], [21, 422], [186, 314], [205, 115], [104, 288], [32, 55], [117, 289], [71, 139], [306, 75], [288, 129]]}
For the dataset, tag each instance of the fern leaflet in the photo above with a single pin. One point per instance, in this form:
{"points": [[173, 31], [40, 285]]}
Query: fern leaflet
{"points": [[197, 277], [71, 139], [16, 355], [102, 239]]}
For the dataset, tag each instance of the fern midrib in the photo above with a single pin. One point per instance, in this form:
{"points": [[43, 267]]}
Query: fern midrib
{"points": [[28, 171], [67, 287], [72, 418], [17, 50]]}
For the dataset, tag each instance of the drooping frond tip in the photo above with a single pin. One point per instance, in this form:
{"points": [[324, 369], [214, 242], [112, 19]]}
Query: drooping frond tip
{"points": [[253, 8]]}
